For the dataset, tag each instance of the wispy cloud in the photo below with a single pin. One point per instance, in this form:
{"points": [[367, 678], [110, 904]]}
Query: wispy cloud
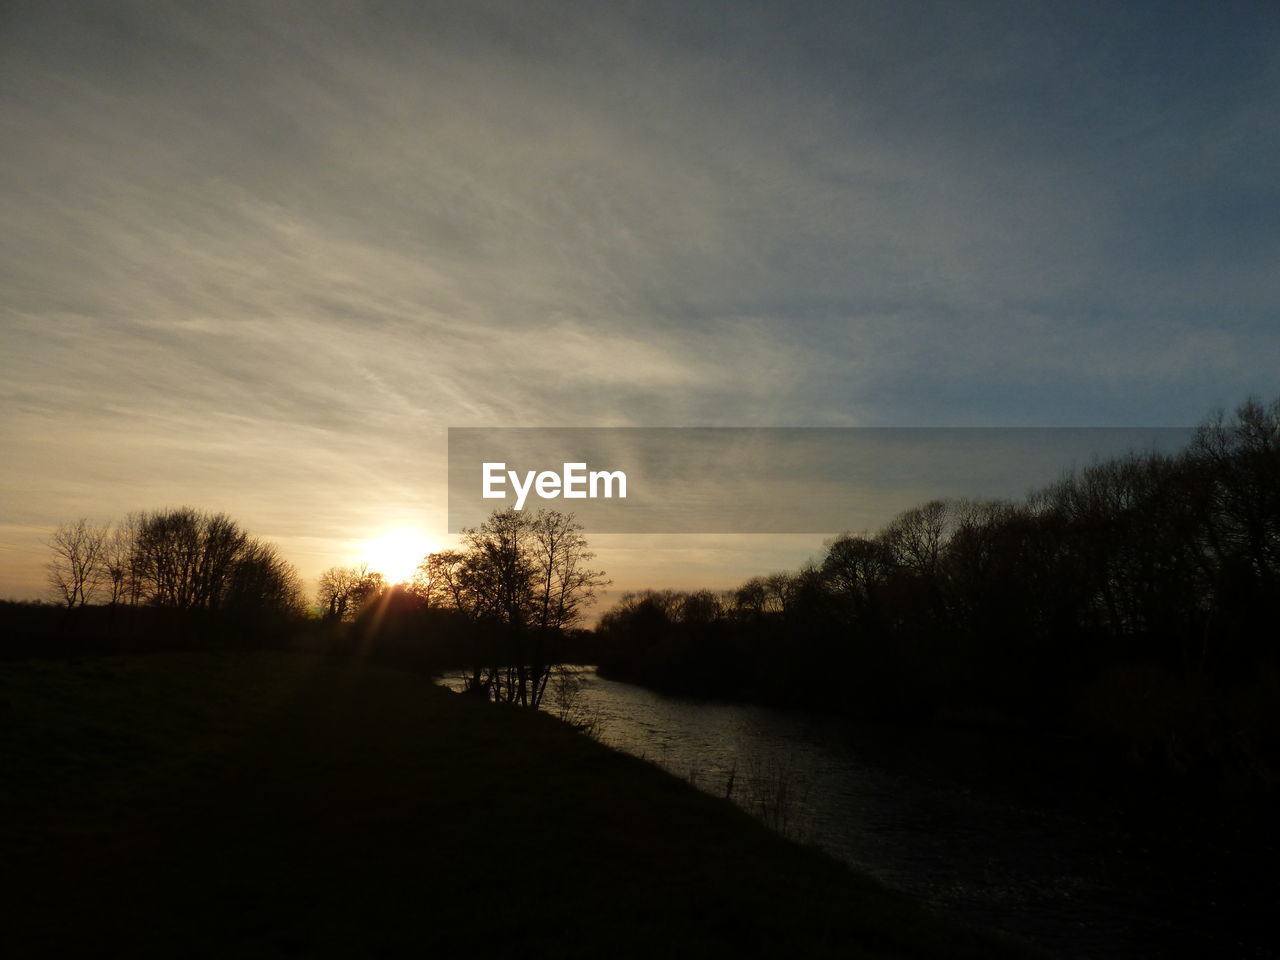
{"points": [[259, 256]]}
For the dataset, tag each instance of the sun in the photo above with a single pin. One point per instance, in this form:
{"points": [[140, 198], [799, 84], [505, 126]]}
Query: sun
{"points": [[397, 553]]}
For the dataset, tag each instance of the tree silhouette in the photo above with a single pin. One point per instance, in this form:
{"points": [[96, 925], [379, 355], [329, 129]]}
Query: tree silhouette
{"points": [[180, 559], [79, 561], [1134, 600], [344, 591], [521, 580]]}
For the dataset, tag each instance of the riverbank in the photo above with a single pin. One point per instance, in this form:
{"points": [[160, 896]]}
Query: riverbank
{"points": [[276, 805]]}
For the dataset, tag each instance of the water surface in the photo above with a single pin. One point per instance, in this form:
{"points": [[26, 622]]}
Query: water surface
{"points": [[1068, 878]]}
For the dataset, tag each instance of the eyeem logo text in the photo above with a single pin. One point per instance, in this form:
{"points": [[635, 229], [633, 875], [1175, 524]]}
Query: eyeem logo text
{"points": [[573, 482]]}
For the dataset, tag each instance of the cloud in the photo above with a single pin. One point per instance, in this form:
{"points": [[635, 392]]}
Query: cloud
{"points": [[261, 255]]}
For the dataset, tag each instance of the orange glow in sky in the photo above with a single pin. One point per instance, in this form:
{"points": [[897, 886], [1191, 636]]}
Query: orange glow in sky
{"points": [[397, 553]]}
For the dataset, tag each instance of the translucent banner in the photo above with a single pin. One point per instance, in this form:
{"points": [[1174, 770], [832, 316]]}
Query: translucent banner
{"points": [[763, 479]]}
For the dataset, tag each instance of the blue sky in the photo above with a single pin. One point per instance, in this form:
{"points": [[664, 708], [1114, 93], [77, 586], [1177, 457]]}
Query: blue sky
{"points": [[258, 257]]}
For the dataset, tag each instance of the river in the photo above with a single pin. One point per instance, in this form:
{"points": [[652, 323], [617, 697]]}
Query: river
{"points": [[1065, 876]]}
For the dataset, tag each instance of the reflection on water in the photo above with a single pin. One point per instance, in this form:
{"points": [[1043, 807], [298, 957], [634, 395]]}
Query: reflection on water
{"points": [[1057, 877]]}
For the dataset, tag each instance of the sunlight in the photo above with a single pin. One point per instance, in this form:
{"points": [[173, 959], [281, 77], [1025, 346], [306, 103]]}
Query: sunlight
{"points": [[397, 553]]}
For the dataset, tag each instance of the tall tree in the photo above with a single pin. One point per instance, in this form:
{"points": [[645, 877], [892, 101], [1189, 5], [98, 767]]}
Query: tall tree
{"points": [[261, 581], [563, 584], [78, 563], [522, 579]]}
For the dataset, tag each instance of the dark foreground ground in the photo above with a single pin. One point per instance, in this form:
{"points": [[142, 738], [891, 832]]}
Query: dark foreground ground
{"points": [[271, 805]]}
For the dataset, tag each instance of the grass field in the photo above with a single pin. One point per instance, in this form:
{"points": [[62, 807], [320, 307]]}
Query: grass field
{"points": [[270, 805]]}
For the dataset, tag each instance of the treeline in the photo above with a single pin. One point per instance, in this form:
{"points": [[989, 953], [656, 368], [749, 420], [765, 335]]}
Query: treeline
{"points": [[157, 579], [1136, 600], [179, 559], [505, 607]]}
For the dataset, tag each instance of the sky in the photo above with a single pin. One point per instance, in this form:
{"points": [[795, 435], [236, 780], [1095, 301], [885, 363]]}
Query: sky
{"points": [[258, 257]]}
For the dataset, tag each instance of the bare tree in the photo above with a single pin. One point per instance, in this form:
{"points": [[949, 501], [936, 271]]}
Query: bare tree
{"points": [[522, 579], [778, 589], [262, 581], [190, 560], [563, 585], [856, 569], [337, 588], [118, 563], [749, 599], [344, 590], [184, 558], [77, 567], [1243, 454], [445, 580], [916, 537], [700, 607]]}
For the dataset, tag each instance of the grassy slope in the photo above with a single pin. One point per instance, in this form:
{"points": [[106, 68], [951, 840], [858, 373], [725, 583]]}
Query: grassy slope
{"points": [[270, 805]]}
